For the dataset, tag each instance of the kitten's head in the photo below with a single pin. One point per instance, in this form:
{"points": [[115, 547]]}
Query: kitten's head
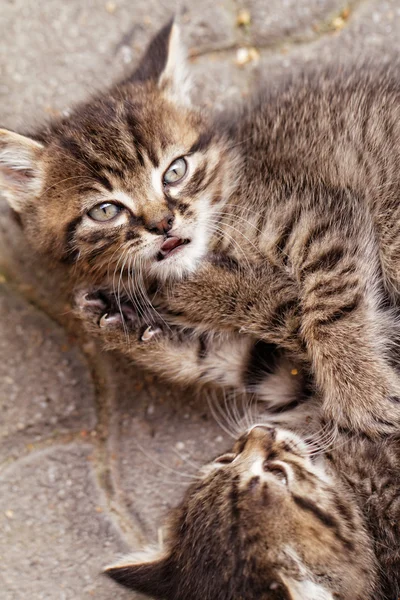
{"points": [[263, 522], [132, 178]]}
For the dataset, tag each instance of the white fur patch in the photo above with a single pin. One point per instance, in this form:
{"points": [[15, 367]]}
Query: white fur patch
{"points": [[149, 554], [156, 176], [225, 360], [306, 589], [20, 174], [188, 259], [126, 200], [256, 468], [176, 75]]}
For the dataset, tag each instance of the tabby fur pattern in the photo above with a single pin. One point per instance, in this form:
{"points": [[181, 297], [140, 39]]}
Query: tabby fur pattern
{"points": [[272, 520], [298, 191]]}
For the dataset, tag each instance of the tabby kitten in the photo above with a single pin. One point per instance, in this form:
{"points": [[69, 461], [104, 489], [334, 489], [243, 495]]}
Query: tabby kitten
{"points": [[269, 521], [273, 519], [299, 190]]}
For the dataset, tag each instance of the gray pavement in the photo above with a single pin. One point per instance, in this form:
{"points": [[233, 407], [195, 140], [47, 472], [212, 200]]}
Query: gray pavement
{"points": [[92, 451]]}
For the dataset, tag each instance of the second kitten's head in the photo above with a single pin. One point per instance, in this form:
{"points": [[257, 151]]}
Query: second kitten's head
{"points": [[262, 523], [130, 179]]}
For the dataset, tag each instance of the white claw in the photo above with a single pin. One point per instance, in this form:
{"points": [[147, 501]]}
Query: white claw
{"points": [[149, 333], [103, 320], [85, 301], [107, 320]]}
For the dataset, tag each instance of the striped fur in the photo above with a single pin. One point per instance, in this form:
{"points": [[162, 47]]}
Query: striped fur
{"points": [[265, 522], [299, 189], [215, 360]]}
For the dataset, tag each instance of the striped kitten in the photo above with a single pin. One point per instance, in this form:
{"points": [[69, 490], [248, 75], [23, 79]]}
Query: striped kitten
{"points": [[273, 519], [299, 190], [269, 521]]}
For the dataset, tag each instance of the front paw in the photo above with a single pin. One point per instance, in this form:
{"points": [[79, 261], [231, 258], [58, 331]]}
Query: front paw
{"points": [[103, 315], [373, 414]]}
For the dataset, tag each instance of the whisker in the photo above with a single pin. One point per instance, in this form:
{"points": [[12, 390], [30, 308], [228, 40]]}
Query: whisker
{"points": [[236, 230], [217, 229], [185, 459], [164, 466], [234, 412], [117, 292], [63, 181], [217, 413], [227, 215]]}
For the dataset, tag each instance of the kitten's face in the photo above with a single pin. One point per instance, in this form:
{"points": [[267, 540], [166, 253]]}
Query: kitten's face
{"points": [[131, 180], [264, 522]]}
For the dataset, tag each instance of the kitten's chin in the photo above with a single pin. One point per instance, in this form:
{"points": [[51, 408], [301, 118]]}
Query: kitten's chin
{"points": [[183, 261]]}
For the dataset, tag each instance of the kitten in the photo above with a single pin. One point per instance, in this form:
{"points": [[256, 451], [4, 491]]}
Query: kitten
{"points": [[302, 525], [299, 189], [271, 521]]}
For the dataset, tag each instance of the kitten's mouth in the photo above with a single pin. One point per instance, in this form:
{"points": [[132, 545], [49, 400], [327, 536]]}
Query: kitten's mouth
{"points": [[172, 245]]}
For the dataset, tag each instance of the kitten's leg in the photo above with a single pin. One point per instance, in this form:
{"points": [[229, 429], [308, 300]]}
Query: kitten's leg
{"points": [[262, 302], [345, 328], [184, 356], [347, 336], [332, 316], [178, 354]]}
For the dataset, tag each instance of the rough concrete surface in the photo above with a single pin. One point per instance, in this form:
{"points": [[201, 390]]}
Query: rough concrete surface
{"points": [[92, 451]]}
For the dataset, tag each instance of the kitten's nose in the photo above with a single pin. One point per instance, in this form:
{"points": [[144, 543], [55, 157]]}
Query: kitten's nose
{"points": [[260, 434], [163, 226], [261, 431]]}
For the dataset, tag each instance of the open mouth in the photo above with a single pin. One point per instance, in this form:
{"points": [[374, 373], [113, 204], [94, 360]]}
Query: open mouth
{"points": [[172, 245]]}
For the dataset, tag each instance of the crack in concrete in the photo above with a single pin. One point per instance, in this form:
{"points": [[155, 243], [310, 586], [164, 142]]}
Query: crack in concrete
{"points": [[321, 29], [60, 439], [102, 458], [98, 437]]}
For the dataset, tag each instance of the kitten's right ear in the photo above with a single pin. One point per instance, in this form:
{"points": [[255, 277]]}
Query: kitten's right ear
{"points": [[148, 573], [20, 168], [165, 62]]}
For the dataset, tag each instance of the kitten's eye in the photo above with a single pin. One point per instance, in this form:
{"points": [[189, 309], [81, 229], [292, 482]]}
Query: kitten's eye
{"points": [[225, 459], [104, 211], [175, 171], [276, 470]]}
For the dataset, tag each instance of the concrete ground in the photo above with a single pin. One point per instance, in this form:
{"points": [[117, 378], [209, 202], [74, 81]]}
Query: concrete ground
{"points": [[92, 451]]}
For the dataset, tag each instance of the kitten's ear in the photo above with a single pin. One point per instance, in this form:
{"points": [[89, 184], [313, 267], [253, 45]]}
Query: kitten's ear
{"points": [[165, 61], [148, 572], [20, 168], [299, 590]]}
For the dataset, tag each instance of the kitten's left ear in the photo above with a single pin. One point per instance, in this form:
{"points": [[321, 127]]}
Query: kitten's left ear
{"points": [[20, 168], [148, 572], [165, 62]]}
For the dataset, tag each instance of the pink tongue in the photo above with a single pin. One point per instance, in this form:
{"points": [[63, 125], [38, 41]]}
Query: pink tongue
{"points": [[171, 243]]}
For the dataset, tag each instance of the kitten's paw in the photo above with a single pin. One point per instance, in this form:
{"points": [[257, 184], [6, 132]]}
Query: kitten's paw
{"points": [[102, 314], [378, 417]]}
